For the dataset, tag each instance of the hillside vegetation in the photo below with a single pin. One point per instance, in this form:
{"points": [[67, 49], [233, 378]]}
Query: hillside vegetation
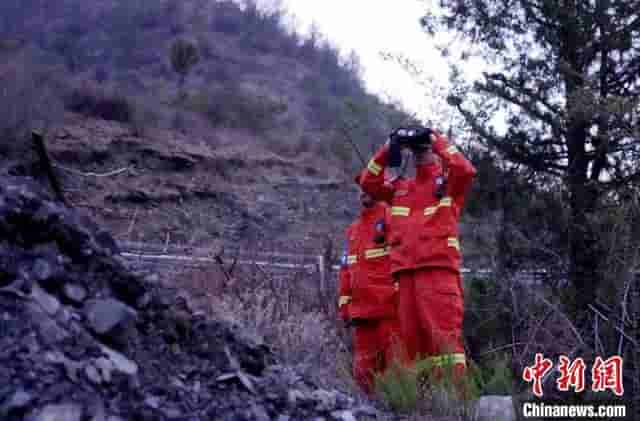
{"points": [[112, 60]]}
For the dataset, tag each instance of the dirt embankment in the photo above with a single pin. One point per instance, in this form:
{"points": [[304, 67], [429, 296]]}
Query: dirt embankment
{"points": [[168, 187], [82, 338]]}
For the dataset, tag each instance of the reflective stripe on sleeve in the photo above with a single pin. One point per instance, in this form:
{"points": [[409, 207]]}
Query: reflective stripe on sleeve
{"points": [[453, 242], [443, 360], [373, 253], [444, 202], [351, 259], [374, 168], [344, 299], [400, 211], [447, 359], [452, 150]]}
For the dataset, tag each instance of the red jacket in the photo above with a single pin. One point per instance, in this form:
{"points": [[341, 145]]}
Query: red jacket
{"points": [[366, 288], [423, 228]]}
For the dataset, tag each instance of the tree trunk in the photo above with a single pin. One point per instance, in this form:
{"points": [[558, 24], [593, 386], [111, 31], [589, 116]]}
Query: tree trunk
{"points": [[584, 258]]}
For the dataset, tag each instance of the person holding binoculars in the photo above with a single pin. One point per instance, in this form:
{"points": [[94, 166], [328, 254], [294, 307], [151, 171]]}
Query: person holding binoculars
{"points": [[424, 246]]}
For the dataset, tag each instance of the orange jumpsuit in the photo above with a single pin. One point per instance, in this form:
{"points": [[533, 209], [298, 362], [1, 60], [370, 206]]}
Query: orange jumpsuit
{"points": [[368, 297], [425, 252]]}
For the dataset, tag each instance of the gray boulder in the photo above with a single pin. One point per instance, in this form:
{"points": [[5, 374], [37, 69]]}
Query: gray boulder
{"points": [[48, 302], [75, 293], [120, 362], [105, 315], [493, 408], [64, 412]]}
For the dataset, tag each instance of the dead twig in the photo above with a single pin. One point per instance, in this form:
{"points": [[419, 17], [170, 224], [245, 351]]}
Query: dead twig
{"points": [[562, 315], [220, 262], [92, 174], [166, 242], [131, 224], [606, 319], [233, 264], [500, 348]]}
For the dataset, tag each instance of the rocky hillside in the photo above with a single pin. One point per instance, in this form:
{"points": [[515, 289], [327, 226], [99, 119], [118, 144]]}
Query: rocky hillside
{"points": [[83, 338], [197, 192]]}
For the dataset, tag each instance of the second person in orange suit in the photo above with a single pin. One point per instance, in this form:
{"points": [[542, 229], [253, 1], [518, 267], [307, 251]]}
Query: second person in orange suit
{"points": [[425, 248], [368, 297]]}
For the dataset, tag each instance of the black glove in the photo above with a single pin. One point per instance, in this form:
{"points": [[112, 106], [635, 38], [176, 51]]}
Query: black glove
{"points": [[395, 151]]}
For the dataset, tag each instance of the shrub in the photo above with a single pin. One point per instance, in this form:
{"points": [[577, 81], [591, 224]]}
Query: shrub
{"points": [[184, 55], [107, 105], [293, 320], [231, 106], [410, 390]]}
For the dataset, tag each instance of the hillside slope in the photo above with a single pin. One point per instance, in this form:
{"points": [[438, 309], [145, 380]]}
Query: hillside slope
{"points": [[171, 188], [112, 59]]}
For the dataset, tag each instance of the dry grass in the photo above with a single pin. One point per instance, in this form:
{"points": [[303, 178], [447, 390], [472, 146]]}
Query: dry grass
{"points": [[289, 311]]}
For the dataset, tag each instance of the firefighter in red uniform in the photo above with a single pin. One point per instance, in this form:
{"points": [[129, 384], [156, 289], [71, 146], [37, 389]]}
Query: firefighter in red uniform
{"points": [[424, 244], [368, 297]]}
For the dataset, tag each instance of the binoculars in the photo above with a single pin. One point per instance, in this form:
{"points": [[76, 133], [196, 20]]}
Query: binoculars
{"points": [[414, 137]]}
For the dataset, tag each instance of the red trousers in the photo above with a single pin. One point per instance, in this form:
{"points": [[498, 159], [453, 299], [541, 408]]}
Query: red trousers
{"points": [[431, 307], [374, 348]]}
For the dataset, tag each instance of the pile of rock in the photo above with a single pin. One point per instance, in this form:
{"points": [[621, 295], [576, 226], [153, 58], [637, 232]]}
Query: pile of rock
{"points": [[82, 338]]}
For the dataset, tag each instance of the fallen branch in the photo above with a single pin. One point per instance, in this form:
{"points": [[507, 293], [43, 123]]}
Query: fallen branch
{"points": [[92, 174]]}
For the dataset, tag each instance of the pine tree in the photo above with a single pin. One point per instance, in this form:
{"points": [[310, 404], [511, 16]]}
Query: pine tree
{"points": [[566, 74]]}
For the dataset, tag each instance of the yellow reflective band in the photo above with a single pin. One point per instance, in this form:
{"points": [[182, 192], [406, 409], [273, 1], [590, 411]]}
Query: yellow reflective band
{"points": [[374, 168], [344, 299], [373, 253], [445, 202], [453, 242], [446, 359], [452, 150], [352, 259], [400, 211]]}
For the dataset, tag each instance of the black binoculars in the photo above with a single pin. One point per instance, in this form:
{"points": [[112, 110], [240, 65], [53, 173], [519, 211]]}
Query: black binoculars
{"points": [[414, 137]]}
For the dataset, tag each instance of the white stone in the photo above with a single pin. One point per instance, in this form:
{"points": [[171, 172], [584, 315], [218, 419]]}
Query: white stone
{"points": [[493, 408]]}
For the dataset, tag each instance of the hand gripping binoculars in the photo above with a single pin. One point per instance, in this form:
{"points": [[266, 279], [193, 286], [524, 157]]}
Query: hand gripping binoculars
{"points": [[413, 137]]}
